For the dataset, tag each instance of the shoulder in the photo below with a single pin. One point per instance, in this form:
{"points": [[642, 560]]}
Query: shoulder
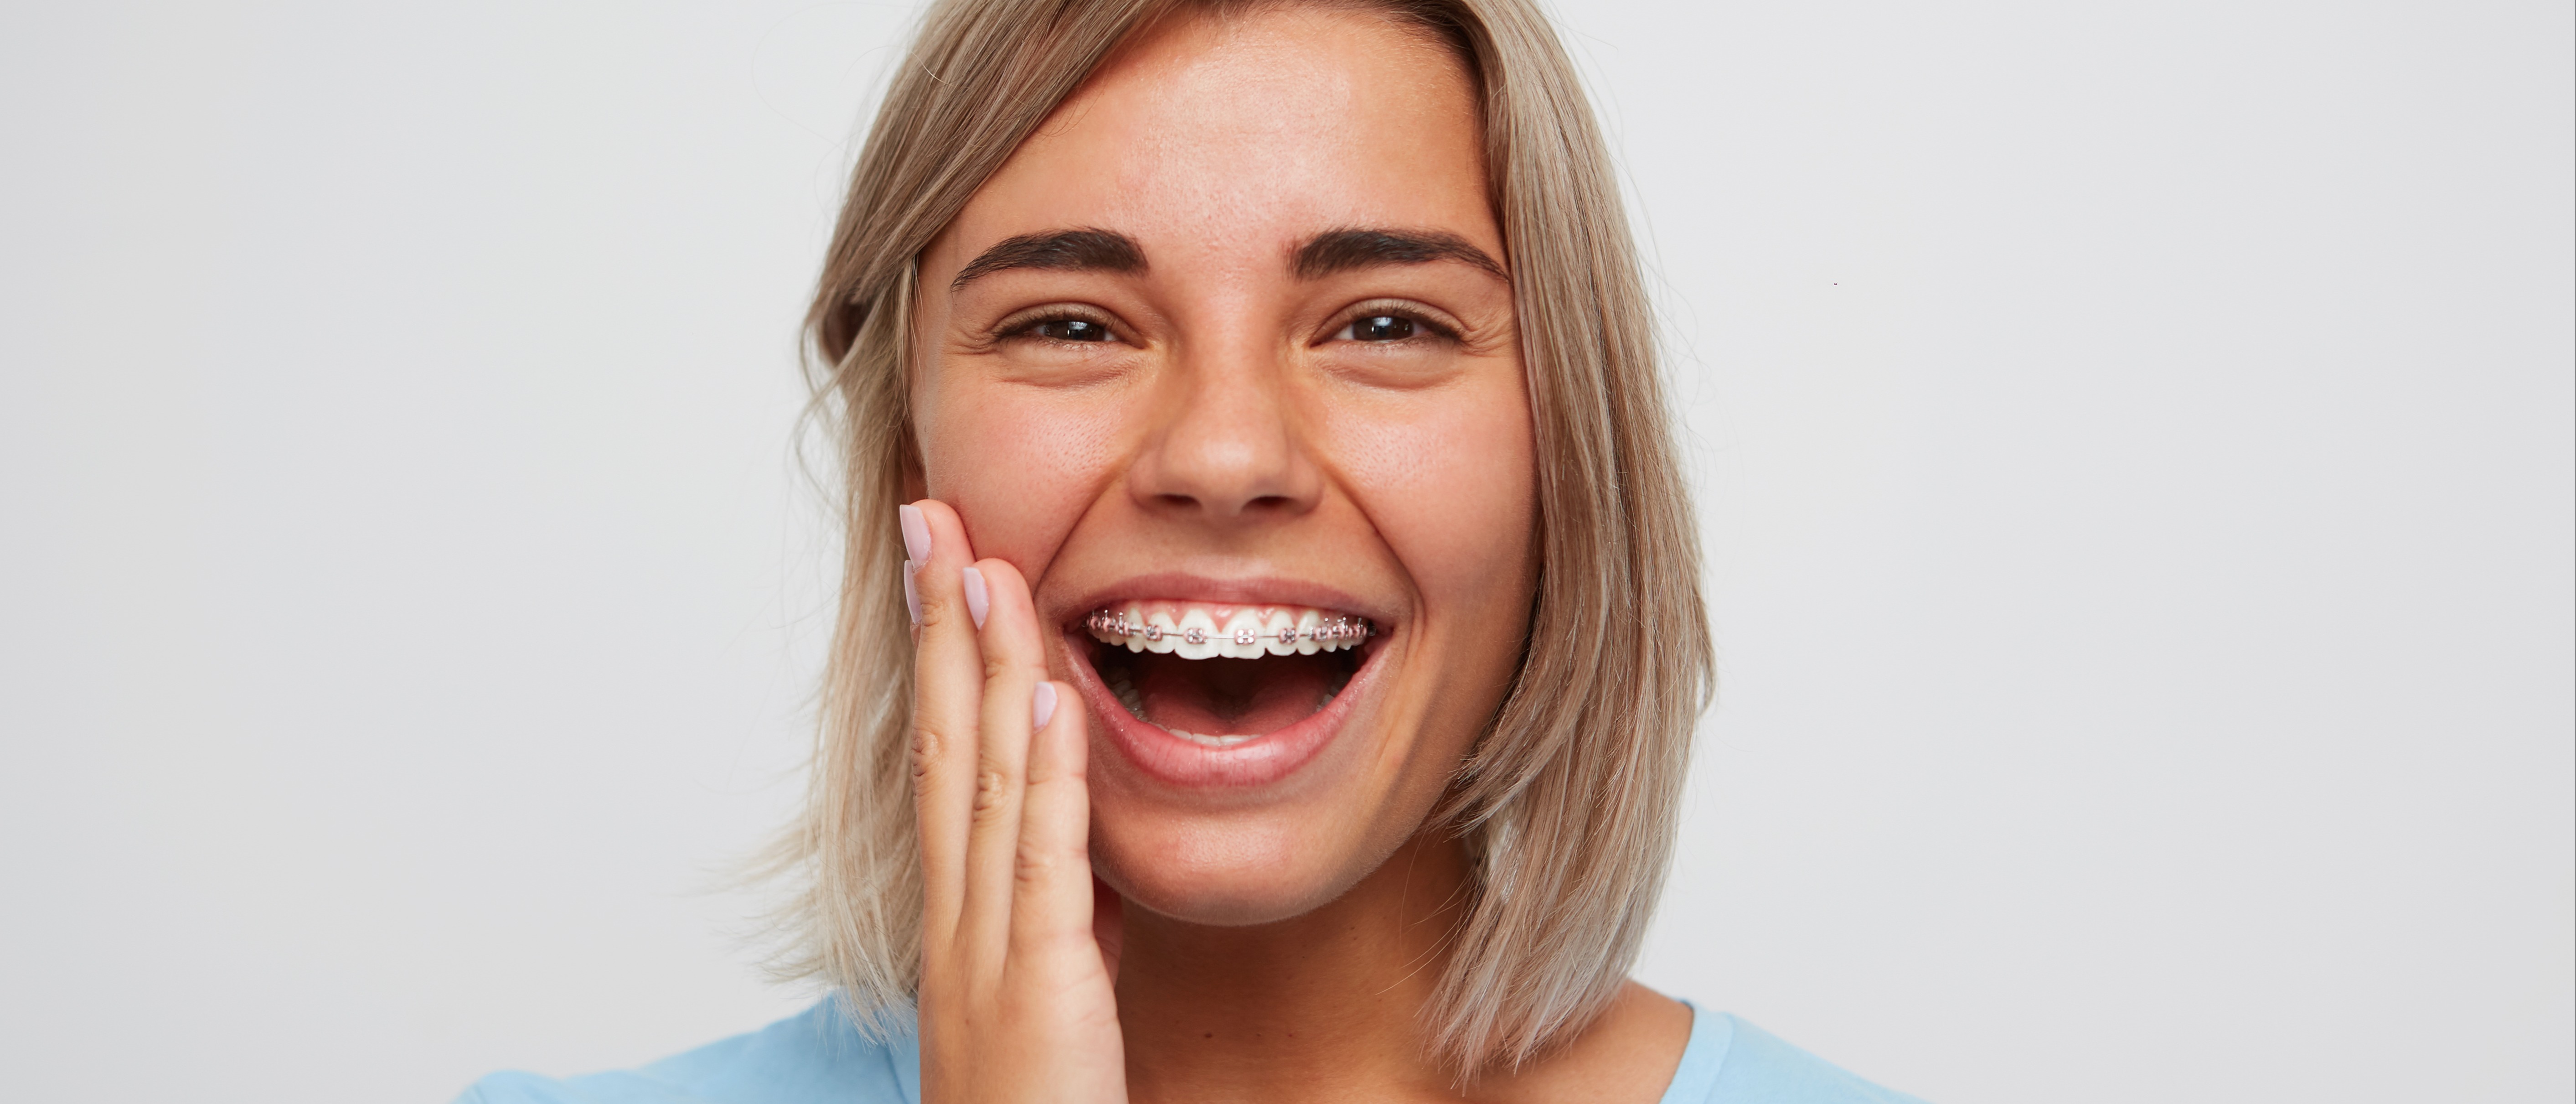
{"points": [[811, 1058], [1730, 1061]]}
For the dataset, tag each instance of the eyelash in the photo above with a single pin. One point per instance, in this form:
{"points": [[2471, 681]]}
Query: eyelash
{"points": [[1394, 309], [1025, 327]]}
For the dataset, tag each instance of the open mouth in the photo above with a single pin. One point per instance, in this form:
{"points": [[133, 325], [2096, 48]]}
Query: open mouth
{"points": [[1220, 675]]}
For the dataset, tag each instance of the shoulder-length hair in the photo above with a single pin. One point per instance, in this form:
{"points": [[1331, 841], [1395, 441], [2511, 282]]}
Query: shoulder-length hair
{"points": [[1568, 799]]}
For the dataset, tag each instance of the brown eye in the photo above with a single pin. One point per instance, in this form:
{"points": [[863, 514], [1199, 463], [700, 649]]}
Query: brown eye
{"points": [[1378, 327], [1070, 329]]}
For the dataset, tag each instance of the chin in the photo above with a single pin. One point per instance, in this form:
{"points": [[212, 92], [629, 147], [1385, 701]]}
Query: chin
{"points": [[1230, 873]]}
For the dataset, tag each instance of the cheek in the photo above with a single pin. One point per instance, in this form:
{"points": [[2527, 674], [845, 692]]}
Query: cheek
{"points": [[1019, 465], [1449, 482]]}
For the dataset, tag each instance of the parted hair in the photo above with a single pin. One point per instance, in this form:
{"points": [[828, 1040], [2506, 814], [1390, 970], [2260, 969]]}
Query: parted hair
{"points": [[1568, 799]]}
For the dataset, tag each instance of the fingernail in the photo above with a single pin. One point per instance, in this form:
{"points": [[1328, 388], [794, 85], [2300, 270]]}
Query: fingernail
{"points": [[1042, 704], [977, 603], [911, 593], [916, 533]]}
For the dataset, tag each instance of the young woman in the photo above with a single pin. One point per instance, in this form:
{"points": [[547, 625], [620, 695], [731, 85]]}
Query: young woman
{"points": [[1271, 635]]}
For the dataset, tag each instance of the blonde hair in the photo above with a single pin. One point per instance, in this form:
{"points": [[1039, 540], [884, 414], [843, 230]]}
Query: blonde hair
{"points": [[1568, 800]]}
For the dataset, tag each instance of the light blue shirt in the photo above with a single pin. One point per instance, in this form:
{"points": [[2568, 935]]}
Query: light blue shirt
{"points": [[819, 1058]]}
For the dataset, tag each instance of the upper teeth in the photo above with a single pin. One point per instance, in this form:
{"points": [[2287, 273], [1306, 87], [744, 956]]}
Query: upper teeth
{"points": [[1246, 632]]}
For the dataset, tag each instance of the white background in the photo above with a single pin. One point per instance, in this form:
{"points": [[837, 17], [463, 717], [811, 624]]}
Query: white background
{"points": [[2133, 438]]}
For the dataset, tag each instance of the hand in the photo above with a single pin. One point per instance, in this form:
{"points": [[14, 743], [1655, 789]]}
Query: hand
{"points": [[1017, 1000]]}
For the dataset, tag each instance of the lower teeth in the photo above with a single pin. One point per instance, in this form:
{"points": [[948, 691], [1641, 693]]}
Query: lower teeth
{"points": [[1207, 741], [1125, 692]]}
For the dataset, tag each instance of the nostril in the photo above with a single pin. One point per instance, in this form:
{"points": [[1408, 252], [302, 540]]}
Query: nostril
{"points": [[1262, 504], [1251, 507]]}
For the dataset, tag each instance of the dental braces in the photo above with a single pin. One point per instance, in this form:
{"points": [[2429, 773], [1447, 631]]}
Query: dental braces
{"points": [[1325, 632]]}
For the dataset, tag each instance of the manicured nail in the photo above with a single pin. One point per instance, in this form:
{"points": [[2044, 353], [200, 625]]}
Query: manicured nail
{"points": [[912, 593], [916, 533], [1042, 704], [977, 602]]}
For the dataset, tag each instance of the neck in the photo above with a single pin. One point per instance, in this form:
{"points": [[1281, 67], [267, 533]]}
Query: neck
{"points": [[1322, 1006]]}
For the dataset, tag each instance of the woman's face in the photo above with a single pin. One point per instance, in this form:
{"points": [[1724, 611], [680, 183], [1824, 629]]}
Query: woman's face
{"points": [[1225, 347]]}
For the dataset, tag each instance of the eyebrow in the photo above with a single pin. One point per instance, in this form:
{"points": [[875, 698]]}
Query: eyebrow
{"points": [[1335, 251], [1326, 254], [1104, 250]]}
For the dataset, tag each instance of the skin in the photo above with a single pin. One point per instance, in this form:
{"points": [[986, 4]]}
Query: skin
{"points": [[1233, 433]]}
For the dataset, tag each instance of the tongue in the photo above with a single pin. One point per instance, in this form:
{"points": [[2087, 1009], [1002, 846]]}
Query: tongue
{"points": [[1231, 697]]}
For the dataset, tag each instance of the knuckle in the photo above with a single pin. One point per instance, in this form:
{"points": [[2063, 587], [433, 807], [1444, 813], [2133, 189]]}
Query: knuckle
{"points": [[1042, 864], [936, 608], [928, 744], [992, 791], [1055, 772]]}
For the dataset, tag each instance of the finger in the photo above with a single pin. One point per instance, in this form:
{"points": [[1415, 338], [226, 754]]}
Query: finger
{"points": [[1014, 664], [947, 697], [1052, 907]]}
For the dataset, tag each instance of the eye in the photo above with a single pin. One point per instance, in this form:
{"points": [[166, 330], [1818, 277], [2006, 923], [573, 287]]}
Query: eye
{"points": [[1396, 324], [1378, 327], [1069, 329]]}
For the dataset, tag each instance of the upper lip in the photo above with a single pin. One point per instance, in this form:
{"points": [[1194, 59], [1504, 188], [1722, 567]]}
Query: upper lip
{"points": [[1257, 591]]}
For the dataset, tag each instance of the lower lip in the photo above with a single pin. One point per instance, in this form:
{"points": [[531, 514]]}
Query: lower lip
{"points": [[1178, 762]]}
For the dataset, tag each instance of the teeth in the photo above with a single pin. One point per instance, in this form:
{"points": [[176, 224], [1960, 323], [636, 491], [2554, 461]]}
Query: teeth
{"points": [[1198, 636], [1160, 634], [1126, 694], [1135, 703], [1240, 636], [1208, 741], [1245, 633]]}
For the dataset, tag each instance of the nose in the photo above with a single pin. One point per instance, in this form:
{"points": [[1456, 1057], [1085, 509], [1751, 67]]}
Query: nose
{"points": [[1225, 448]]}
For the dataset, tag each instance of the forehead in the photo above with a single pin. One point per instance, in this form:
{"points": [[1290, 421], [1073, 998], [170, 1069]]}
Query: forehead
{"points": [[1238, 137]]}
